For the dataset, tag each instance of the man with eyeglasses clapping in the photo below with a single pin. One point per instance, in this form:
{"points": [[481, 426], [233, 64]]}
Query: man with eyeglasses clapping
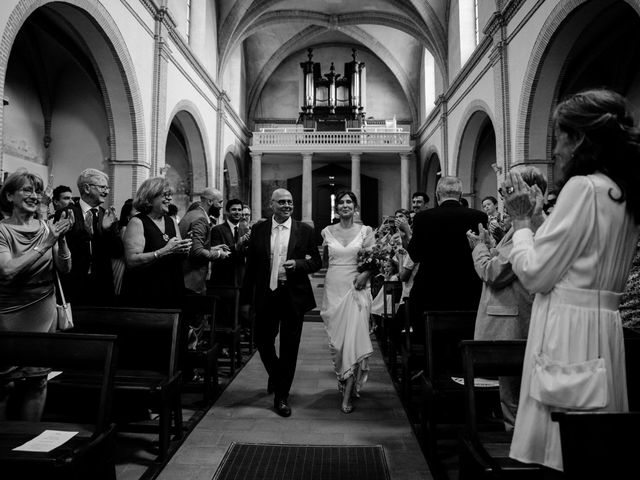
{"points": [[93, 240]]}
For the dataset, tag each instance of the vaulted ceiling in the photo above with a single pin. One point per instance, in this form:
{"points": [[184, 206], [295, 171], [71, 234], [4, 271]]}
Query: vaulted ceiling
{"points": [[270, 31]]}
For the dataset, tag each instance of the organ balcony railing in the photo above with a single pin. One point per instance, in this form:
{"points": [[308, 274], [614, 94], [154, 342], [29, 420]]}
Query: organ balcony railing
{"points": [[364, 139]]}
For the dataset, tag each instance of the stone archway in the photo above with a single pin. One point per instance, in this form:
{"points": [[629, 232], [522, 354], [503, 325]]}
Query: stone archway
{"points": [[185, 157], [430, 175], [574, 52], [113, 135], [476, 155]]}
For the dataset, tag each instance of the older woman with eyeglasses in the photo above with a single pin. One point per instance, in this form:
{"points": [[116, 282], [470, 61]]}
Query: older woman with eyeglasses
{"points": [[29, 249], [154, 250]]}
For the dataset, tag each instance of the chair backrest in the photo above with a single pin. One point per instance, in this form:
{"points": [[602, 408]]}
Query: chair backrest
{"points": [[488, 358], [148, 339], [60, 351], [228, 302], [202, 305], [443, 333], [598, 444], [393, 289], [632, 363]]}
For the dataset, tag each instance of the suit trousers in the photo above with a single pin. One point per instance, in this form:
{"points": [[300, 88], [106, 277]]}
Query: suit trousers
{"points": [[278, 315]]}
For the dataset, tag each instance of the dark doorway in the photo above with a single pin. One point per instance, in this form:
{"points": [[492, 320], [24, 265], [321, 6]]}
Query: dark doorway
{"points": [[327, 181]]}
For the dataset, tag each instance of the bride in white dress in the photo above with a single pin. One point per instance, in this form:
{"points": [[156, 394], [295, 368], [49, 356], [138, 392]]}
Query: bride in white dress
{"points": [[346, 304]]}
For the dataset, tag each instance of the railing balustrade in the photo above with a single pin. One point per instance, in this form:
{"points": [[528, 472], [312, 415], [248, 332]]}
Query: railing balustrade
{"points": [[299, 138]]}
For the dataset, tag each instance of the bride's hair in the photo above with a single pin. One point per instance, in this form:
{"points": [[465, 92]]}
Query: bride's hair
{"points": [[348, 193]]}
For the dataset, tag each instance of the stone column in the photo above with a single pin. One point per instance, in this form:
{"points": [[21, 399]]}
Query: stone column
{"points": [[307, 195], [404, 180], [355, 174], [256, 185]]}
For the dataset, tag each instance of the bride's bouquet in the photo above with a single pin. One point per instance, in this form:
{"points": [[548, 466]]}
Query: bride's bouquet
{"points": [[386, 246]]}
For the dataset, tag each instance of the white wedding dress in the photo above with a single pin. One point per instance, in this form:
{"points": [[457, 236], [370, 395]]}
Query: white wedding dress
{"points": [[345, 311]]}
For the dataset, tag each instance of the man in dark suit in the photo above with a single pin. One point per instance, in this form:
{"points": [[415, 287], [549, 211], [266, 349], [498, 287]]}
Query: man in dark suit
{"points": [[281, 254], [93, 240], [446, 278], [232, 233]]}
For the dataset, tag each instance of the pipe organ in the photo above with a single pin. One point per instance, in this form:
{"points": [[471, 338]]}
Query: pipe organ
{"points": [[333, 101]]}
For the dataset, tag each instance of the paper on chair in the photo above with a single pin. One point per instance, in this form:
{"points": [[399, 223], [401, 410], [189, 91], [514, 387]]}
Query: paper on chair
{"points": [[46, 441]]}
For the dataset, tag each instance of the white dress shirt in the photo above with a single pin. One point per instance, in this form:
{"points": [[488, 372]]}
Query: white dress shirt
{"points": [[285, 233]]}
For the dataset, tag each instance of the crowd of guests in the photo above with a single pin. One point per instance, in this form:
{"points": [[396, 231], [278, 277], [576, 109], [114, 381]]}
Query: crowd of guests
{"points": [[550, 267], [143, 258]]}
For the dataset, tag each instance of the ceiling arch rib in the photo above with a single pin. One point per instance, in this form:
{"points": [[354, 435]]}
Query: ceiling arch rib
{"points": [[422, 17], [305, 39], [337, 22]]}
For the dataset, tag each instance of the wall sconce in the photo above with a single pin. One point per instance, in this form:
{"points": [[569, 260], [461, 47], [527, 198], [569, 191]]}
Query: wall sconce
{"points": [[496, 168]]}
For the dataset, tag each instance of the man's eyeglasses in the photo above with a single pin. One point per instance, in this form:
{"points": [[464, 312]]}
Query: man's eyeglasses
{"points": [[30, 192], [167, 194], [285, 202], [102, 188]]}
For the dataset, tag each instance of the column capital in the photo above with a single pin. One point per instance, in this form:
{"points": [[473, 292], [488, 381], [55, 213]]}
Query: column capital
{"points": [[355, 154], [307, 155], [255, 154]]}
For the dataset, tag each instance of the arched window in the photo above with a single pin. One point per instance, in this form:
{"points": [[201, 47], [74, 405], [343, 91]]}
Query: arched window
{"points": [[469, 28], [429, 71]]}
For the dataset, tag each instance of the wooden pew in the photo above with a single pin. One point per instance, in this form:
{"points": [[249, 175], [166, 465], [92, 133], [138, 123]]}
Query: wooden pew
{"points": [[598, 444], [391, 290], [205, 354], [485, 454], [228, 324], [148, 349], [443, 333], [90, 453]]}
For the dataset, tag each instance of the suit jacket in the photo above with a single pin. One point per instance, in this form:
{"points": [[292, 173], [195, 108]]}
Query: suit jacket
{"points": [[446, 279], [230, 270], [302, 248], [505, 305], [195, 267], [91, 253]]}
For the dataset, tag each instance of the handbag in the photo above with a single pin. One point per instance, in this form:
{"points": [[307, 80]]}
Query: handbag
{"points": [[573, 386], [65, 318]]}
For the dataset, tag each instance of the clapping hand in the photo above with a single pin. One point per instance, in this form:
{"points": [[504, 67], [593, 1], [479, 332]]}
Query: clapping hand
{"points": [[57, 229], [220, 251], [521, 200], [483, 236], [178, 246], [109, 218]]}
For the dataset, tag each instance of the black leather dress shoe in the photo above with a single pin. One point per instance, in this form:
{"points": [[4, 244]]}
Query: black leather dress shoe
{"points": [[270, 387], [282, 407]]}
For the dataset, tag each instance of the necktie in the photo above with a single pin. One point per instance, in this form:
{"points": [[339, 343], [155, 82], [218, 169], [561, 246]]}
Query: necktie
{"points": [[275, 261], [235, 235], [88, 221], [94, 223]]}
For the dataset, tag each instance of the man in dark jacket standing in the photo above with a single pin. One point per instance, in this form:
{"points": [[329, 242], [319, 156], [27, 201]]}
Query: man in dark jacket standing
{"points": [[446, 279], [93, 240]]}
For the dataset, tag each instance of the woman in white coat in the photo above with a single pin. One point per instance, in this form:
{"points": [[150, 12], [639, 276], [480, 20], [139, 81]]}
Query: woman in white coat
{"points": [[578, 262]]}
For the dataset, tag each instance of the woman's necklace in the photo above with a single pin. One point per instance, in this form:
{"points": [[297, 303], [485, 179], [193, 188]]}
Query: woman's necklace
{"points": [[160, 223]]}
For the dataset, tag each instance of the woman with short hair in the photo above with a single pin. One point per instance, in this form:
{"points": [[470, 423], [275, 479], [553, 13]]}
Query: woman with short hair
{"points": [[29, 249], [154, 250]]}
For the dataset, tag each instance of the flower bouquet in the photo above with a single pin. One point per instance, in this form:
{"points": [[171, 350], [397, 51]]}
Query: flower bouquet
{"points": [[384, 249]]}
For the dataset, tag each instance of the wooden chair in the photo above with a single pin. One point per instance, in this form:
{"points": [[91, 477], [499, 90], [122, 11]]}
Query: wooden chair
{"points": [[90, 453], [442, 360], [391, 290], [598, 444], [148, 350], [205, 354], [228, 324], [484, 453]]}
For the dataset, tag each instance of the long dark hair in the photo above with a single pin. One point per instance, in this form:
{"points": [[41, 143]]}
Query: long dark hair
{"points": [[347, 193], [610, 144]]}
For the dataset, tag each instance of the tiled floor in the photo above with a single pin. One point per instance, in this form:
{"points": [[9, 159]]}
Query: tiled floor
{"points": [[243, 414]]}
